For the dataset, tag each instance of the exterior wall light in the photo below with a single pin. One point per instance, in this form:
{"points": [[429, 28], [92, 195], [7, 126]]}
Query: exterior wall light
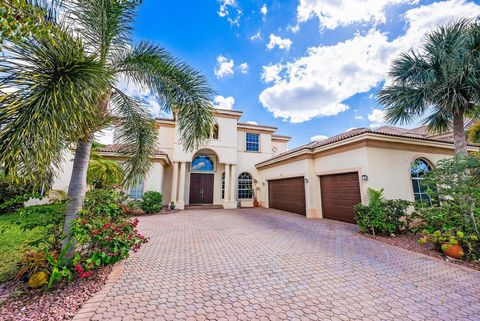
{"points": [[364, 178], [306, 180]]}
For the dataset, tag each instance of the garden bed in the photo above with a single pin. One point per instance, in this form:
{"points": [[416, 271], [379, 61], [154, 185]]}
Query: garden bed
{"points": [[19, 303], [410, 242]]}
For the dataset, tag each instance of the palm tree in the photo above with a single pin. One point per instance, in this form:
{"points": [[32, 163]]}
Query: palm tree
{"points": [[442, 78], [66, 90]]}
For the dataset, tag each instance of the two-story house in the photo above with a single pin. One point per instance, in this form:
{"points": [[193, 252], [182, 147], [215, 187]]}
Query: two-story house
{"points": [[222, 172]]}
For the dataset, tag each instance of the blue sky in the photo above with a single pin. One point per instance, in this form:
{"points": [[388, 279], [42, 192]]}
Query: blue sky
{"points": [[309, 67]]}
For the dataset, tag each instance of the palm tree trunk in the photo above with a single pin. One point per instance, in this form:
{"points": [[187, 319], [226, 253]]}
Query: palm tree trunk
{"points": [[76, 189], [459, 135]]}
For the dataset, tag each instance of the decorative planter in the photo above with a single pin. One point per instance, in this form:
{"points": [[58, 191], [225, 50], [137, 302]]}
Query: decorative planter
{"points": [[172, 207], [455, 251]]}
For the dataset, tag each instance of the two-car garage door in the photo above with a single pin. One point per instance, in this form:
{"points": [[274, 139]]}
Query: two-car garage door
{"points": [[340, 193], [287, 194]]}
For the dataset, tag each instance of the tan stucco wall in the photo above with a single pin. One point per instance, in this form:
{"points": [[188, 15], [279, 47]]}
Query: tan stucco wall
{"points": [[385, 168], [390, 169], [62, 178]]}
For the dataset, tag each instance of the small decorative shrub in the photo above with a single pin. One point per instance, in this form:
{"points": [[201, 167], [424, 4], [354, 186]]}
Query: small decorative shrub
{"points": [[101, 202], [152, 202], [382, 217]]}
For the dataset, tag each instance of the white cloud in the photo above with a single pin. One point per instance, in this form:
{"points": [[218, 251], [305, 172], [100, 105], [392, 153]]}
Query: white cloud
{"points": [[143, 94], [223, 102], [224, 67], [256, 36], [264, 9], [105, 136], [333, 14], [318, 83], [243, 68], [276, 41], [376, 118], [271, 73], [294, 29], [251, 122], [230, 10], [318, 138], [358, 117]]}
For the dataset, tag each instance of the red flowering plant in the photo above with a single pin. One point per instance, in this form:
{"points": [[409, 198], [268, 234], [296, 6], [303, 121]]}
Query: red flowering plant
{"points": [[104, 241]]}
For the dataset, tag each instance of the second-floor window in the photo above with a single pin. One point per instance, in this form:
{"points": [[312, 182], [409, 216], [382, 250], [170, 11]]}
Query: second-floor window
{"points": [[252, 142]]}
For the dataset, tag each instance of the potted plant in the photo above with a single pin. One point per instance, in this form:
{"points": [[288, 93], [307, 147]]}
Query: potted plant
{"points": [[450, 242], [172, 205]]}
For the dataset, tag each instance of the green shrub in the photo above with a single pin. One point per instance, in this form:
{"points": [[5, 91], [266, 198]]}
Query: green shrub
{"points": [[103, 202], [382, 217], [152, 202], [455, 194], [13, 195]]}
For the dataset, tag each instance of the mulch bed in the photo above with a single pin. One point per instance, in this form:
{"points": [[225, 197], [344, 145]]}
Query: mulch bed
{"points": [[17, 302], [410, 242]]}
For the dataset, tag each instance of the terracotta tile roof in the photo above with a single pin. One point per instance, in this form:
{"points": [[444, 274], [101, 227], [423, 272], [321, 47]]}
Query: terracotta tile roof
{"points": [[386, 131], [117, 148], [351, 133]]}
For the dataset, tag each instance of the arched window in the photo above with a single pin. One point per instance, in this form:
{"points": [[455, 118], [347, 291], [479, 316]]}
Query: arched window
{"points": [[420, 168], [245, 186], [202, 163], [223, 185]]}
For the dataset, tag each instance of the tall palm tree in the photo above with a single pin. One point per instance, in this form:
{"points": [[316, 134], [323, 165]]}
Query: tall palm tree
{"points": [[65, 90], [442, 78]]}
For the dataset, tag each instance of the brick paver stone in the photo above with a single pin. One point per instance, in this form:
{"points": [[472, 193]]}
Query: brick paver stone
{"points": [[261, 264]]}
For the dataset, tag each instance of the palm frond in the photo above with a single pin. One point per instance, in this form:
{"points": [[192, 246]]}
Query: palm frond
{"points": [[402, 103], [138, 135], [41, 111], [438, 122], [105, 25], [184, 90]]}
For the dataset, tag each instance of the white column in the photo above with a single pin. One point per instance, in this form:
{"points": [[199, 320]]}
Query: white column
{"points": [[233, 181], [173, 196], [226, 196], [181, 186]]}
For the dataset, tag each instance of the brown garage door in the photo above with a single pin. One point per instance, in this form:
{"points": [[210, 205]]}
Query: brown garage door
{"points": [[287, 194], [340, 192]]}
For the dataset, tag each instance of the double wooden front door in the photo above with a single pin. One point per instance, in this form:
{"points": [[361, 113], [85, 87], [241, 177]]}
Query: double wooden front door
{"points": [[201, 188]]}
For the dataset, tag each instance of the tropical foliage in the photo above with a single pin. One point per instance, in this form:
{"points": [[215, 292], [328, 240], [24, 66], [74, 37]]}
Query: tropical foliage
{"points": [[381, 216], [19, 20], [67, 89], [442, 78], [455, 193], [104, 173], [104, 235]]}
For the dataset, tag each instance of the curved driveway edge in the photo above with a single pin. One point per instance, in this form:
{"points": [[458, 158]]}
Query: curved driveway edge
{"points": [[262, 264]]}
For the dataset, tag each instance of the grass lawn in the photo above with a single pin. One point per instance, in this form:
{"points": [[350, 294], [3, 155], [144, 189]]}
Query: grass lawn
{"points": [[18, 229]]}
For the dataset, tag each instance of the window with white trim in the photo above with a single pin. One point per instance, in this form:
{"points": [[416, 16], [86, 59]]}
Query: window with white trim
{"points": [[252, 142], [245, 190], [419, 169], [136, 190]]}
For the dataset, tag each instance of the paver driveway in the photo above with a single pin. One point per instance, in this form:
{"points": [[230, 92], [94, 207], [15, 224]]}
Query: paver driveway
{"points": [[253, 264]]}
